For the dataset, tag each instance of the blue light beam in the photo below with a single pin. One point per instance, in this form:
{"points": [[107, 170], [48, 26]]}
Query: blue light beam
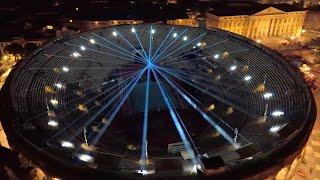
{"points": [[117, 46], [158, 56], [204, 115], [113, 114], [144, 52], [144, 150], [162, 43], [176, 121], [181, 47]]}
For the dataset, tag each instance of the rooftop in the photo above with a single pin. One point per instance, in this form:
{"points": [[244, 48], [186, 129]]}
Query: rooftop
{"points": [[231, 9]]}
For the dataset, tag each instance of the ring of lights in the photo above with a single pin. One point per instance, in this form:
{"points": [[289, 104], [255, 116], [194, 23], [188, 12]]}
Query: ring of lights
{"points": [[154, 100]]}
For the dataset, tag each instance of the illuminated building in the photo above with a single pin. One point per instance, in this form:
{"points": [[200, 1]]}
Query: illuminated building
{"points": [[257, 20], [191, 20], [159, 101]]}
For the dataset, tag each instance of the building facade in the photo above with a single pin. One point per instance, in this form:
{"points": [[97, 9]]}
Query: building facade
{"points": [[192, 20], [312, 21], [184, 22], [270, 22]]}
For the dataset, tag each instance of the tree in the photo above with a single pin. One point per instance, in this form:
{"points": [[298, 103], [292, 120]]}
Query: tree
{"points": [[14, 49]]}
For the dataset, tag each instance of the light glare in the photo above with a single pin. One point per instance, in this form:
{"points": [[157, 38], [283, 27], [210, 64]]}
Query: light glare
{"points": [[267, 95], [247, 78], [65, 69], [54, 102], [274, 129], [53, 123], [277, 113], [92, 41], [234, 67], [175, 35], [76, 54], [58, 85], [67, 144], [85, 157]]}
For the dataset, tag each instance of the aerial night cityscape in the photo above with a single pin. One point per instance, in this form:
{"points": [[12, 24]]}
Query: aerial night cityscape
{"points": [[159, 89]]}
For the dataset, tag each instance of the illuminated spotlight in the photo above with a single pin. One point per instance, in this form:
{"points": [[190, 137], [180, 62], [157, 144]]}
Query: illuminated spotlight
{"points": [[274, 129], [153, 31], [185, 38], [114, 33], [216, 56], [84, 48], [199, 44], [85, 157], [267, 95], [53, 123], [54, 102], [65, 69], [67, 144], [145, 172], [277, 113], [58, 85], [76, 54], [133, 30], [175, 35], [92, 41], [234, 67], [247, 78]]}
